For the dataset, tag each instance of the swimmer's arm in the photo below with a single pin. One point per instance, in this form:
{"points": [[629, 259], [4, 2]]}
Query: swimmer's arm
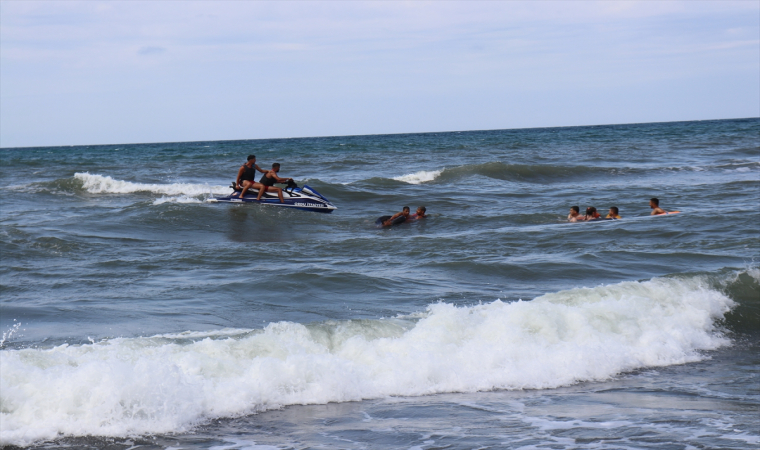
{"points": [[390, 221]]}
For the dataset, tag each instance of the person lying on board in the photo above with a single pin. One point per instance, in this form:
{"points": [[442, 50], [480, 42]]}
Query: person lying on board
{"points": [[246, 175], [395, 219], [654, 203], [614, 213], [591, 214], [420, 214], [575, 214], [269, 179]]}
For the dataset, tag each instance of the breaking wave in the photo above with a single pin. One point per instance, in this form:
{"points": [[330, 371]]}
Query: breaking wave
{"points": [[420, 177], [99, 184], [172, 382]]}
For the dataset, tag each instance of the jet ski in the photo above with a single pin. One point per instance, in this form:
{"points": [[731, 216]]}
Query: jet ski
{"points": [[303, 198]]}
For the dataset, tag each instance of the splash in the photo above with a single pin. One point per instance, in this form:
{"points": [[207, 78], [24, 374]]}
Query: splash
{"points": [[7, 335], [180, 199]]}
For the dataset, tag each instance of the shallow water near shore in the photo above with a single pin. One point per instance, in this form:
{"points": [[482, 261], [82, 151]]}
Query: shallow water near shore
{"points": [[137, 315]]}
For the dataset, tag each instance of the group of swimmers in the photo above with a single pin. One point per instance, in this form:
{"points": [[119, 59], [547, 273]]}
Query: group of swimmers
{"points": [[614, 213], [402, 217], [246, 179]]}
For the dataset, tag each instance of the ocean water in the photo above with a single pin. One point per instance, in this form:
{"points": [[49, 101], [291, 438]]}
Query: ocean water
{"points": [[135, 314]]}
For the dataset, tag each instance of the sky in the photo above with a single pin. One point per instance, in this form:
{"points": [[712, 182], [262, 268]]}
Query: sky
{"points": [[113, 72]]}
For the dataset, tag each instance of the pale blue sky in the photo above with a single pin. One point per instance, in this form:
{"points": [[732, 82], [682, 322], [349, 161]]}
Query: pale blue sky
{"points": [[89, 72]]}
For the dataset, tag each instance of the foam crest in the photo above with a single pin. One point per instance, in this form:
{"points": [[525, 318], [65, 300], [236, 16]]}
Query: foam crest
{"points": [[420, 177], [180, 199], [171, 382], [99, 184]]}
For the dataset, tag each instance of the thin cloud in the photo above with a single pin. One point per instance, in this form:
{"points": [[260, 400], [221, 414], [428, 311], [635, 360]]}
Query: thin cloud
{"points": [[151, 50]]}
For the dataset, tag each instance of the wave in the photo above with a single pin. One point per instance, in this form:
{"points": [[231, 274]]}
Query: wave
{"points": [[172, 382], [496, 170], [744, 288], [420, 177], [99, 184], [547, 173]]}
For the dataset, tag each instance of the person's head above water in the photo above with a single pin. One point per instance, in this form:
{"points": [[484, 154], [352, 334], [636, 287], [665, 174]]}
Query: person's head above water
{"points": [[250, 157], [575, 209], [421, 211], [276, 166], [654, 205], [592, 213], [614, 210], [405, 210]]}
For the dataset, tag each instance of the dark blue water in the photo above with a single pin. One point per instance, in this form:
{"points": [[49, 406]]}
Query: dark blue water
{"points": [[135, 313]]}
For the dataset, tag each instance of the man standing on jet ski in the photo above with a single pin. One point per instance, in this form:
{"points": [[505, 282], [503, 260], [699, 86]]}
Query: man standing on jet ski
{"points": [[246, 175], [268, 181]]}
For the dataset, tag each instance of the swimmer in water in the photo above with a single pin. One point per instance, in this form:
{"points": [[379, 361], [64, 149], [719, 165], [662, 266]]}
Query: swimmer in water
{"points": [[591, 214], [654, 203], [395, 219], [420, 214], [575, 214], [614, 213]]}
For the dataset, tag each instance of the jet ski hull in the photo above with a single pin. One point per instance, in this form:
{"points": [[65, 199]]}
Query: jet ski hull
{"points": [[304, 198]]}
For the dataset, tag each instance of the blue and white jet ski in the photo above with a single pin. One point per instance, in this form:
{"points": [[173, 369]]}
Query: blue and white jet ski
{"points": [[304, 198]]}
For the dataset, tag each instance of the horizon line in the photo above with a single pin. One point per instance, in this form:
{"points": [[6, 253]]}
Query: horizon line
{"points": [[375, 134]]}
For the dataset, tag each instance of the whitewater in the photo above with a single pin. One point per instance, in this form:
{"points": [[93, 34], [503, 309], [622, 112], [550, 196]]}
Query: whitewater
{"points": [[166, 383]]}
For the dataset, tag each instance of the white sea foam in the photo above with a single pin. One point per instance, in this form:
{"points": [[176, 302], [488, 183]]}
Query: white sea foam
{"points": [[133, 386], [180, 199], [420, 177], [99, 184]]}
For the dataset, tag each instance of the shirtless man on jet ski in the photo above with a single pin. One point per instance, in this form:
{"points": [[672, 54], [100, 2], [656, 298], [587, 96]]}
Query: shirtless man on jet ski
{"points": [[269, 179], [246, 175]]}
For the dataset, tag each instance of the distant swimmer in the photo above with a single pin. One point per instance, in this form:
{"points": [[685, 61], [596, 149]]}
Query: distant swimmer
{"points": [[246, 175], [269, 179], [614, 213], [591, 214], [575, 214], [654, 203], [395, 219], [420, 214]]}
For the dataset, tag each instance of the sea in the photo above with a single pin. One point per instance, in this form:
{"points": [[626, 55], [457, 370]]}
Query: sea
{"points": [[136, 314]]}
